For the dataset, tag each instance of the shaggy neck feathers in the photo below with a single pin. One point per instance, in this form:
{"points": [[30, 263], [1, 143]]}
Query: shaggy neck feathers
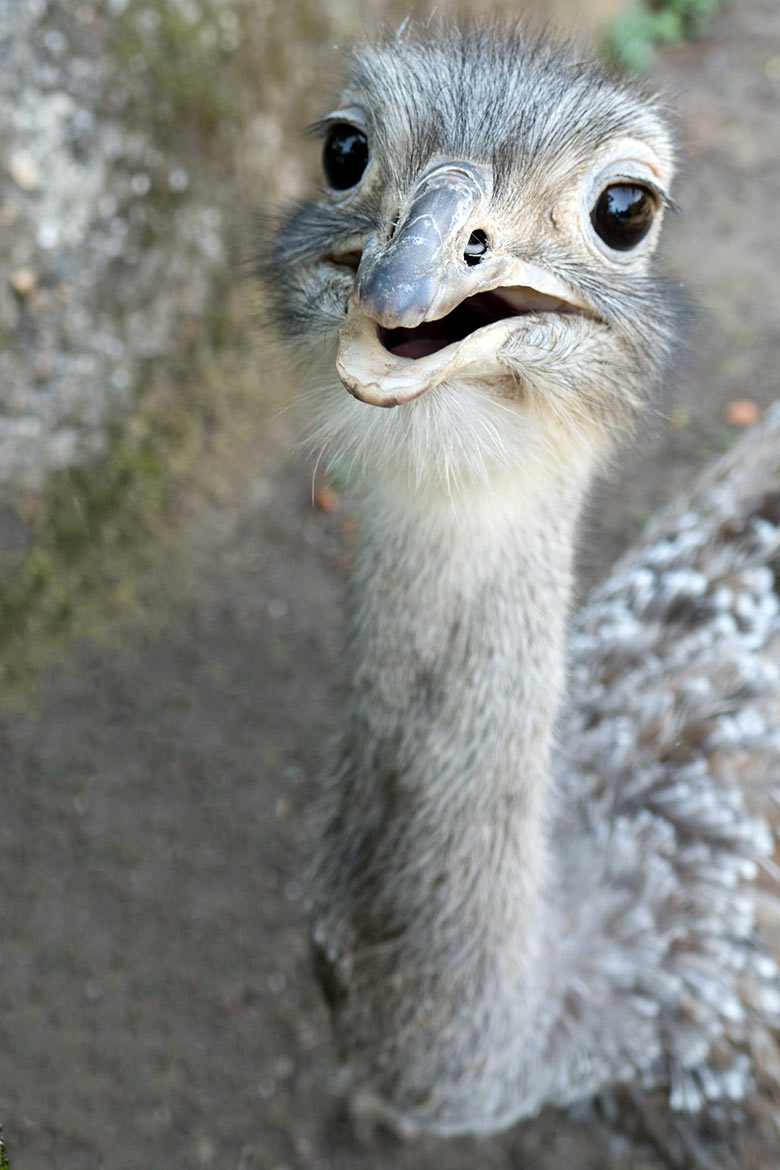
{"points": [[434, 859]]}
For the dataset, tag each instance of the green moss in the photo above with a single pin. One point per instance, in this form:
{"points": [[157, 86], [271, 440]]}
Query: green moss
{"points": [[91, 534], [196, 71], [631, 38], [94, 531], [192, 74], [174, 59], [4, 1163], [97, 530]]}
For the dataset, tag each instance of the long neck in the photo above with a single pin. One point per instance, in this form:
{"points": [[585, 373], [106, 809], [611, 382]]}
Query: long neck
{"points": [[433, 863], [456, 652]]}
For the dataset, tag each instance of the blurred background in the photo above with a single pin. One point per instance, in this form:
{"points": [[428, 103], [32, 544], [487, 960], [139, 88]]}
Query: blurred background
{"points": [[171, 598]]}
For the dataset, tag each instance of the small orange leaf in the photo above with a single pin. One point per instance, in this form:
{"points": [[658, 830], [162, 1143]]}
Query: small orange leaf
{"points": [[742, 412], [325, 499]]}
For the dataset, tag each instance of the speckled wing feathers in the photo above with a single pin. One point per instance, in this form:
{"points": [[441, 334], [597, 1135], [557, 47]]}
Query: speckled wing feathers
{"points": [[673, 737]]}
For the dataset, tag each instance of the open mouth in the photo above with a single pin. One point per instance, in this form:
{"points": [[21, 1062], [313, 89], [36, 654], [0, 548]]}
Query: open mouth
{"points": [[390, 365], [474, 313]]}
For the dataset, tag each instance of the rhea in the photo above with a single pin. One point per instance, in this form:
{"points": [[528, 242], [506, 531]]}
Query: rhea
{"points": [[546, 866]]}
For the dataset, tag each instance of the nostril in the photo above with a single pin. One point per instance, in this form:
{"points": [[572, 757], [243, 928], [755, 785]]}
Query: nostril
{"points": [[391, 229], [476, 247]]}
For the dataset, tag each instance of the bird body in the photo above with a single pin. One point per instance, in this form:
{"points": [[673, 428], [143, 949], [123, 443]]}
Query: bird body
{"points": [[536, 883]]}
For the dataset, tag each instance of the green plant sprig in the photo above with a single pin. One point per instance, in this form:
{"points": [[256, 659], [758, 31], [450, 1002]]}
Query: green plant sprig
{"points": [[631, 38], [4, 1163]]}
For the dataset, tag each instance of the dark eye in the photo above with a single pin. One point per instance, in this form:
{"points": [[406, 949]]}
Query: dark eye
{"points": [[344, 156], [623, 215]]}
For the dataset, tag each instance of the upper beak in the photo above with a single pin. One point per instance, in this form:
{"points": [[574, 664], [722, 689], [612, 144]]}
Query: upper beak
{"points": [[421, 273]]}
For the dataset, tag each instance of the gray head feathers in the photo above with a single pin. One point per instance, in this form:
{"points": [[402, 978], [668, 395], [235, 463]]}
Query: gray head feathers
{"points": [[539, 116]]}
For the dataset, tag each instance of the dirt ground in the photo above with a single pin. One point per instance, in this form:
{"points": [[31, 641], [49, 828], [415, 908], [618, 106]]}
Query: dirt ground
{"points": [[156, 1005]]}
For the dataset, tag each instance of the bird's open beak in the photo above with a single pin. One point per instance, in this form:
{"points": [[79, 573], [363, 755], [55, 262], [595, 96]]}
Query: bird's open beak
{"points": [[433, 296]]}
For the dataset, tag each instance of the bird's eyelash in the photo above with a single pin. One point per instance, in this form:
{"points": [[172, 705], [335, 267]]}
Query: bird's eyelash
{"points": [[321, 127], [665, 200]]}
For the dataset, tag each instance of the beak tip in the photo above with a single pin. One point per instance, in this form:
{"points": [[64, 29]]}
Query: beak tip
{"points": [[392, 302]]}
